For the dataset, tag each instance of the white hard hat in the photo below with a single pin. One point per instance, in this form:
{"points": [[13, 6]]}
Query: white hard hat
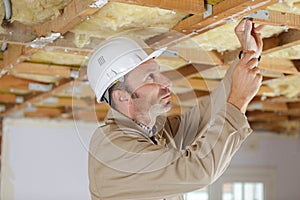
{"points": [[112, 60]]}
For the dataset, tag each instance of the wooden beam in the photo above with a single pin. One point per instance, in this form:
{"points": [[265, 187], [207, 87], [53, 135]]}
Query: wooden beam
{"points": [[43, 112], [209, 85], [16, 54], [12, 55], [89, 115], [35, 99], [280, 19], [66, 44], [284, 40], [17, 33], [198, 55], [268, 106], [265, 116], [188, 6], [78, 89], [196, 24], [267, 126], [42, 69], [188, 99], [197, 84], [11, 83], [11, 98], [185, 71], [65, 102], [74, 13], [278, 65]]}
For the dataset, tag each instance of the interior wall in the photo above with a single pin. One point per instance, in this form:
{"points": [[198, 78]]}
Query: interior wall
{"points": [[47, 159], [279, 152]]}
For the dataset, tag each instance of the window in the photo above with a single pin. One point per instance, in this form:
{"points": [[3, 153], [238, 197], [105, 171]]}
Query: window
{"points": [[197, 195], [239, 184], [243, 191]]}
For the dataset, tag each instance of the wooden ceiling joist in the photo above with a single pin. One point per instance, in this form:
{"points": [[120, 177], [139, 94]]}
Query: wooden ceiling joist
{"points": [[65, 102], [283, 41], [265, 116], [209, 85], [186, 71], [35, 99], [278, 65], [43, 112], [268, 106], [197, 55], [43, 69], [221, 13], [11, 83], [12, 55], [280, 19], [10, 98], [188, 6]]}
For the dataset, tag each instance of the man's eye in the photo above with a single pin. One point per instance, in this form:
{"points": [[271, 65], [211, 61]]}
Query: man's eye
{"points": [[150, 77]]}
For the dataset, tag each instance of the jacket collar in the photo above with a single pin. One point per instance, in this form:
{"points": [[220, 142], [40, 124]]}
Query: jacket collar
{"points": [[125, 123]]}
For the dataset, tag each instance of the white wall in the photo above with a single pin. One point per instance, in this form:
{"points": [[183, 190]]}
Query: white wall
{"points": [[44, 159], [279, 152]]}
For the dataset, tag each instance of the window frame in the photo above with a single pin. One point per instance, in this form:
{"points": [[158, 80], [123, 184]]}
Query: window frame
{"points": [[265, 175]]}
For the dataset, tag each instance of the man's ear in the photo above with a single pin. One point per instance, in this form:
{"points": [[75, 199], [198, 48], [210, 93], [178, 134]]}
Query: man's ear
{"points": [[120, 96]]}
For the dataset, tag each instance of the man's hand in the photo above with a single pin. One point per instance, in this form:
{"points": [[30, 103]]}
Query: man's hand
{"points": [[252, 35], [246, 77], [246, 81]]}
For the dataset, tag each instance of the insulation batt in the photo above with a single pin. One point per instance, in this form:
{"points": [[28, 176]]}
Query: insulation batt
{"points": [[288, 86], [58, 58], [287, 6], [32, 12], [115, 18], [2, 15]]}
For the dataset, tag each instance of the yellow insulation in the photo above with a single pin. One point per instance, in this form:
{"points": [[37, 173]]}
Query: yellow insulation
{"points": [[288, 86], [2, 15], [36, 11], [292, 53], [213, 2], [115, 17], [58, 58], [291, 127], [287, 6], [213, 40]]}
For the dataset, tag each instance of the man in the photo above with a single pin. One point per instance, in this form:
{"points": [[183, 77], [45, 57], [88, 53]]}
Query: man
{"points": [[140, 154]]}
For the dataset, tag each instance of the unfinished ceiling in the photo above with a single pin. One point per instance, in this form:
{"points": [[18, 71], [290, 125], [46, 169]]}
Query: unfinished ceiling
{"points": [[46, 45]]}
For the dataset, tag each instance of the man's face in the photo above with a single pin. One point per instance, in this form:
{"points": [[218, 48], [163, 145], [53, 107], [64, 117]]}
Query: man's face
{"points": [[150, 94]]}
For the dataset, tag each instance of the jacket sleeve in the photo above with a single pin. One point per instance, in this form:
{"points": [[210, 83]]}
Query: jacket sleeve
{"points": [[187, 127]]}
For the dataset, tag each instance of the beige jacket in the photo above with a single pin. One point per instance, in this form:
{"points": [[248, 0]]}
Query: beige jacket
{"points": [[192, 151]]}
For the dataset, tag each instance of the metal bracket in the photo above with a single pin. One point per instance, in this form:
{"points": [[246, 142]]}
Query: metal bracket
{"points": [[208, 10], [170, 53], [98, 4], [2, 108], [50, 100], [39, 87], [74, 74], [41, 42], [30, 109], [19, 99], [260, 14]]}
